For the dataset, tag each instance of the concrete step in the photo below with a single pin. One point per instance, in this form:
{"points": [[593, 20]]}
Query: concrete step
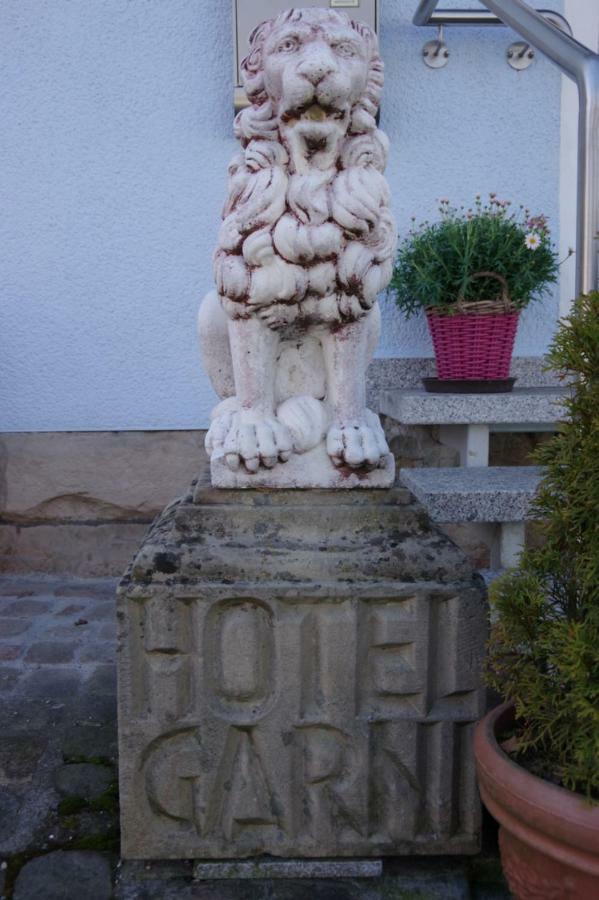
{"points": [[478, 494], [500, 494], [538, 406]]}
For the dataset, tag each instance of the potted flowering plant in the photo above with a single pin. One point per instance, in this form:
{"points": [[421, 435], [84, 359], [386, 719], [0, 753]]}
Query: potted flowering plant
{"points": [[472, 272], [537, 756]]}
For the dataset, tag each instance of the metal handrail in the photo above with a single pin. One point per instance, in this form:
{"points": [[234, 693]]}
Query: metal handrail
{"points": [[476, 16], [582, 65]]}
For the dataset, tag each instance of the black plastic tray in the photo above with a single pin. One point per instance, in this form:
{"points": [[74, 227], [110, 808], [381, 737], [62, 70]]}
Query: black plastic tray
{"points": [[451, 386]]}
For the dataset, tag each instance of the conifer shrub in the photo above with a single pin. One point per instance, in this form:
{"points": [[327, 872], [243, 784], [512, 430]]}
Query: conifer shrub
{"points": [[544, 647]]}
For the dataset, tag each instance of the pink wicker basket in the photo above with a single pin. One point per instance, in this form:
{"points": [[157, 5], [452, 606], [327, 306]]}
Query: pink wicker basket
{"points": [[475, 343]]}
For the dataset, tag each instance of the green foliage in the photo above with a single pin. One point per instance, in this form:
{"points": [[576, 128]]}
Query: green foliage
{"points": [[92, 760], [108, 802], [436, 262], [544, 649], [107, 841], [69, 806]]}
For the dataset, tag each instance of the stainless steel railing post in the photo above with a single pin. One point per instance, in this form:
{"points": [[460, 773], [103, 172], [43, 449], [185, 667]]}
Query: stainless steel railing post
{"points": [[587, 242]]}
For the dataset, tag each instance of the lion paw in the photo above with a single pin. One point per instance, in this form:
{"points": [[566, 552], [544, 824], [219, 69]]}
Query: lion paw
{"points": [[250, 439], [360, 444]]}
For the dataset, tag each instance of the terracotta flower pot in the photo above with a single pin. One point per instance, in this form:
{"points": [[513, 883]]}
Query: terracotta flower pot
{"points": [[549, 837]]}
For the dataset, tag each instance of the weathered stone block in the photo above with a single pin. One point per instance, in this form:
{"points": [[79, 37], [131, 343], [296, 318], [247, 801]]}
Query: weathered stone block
{"points": [[299, 675], [83, 780], [13, 627], [51, 652], [69, 875]]}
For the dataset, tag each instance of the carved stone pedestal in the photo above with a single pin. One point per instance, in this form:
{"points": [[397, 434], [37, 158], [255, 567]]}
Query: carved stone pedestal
{"points": [[299, 672]]}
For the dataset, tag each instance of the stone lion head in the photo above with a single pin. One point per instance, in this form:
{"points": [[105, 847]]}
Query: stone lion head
{"points": [[307, 233], [316, 71]]}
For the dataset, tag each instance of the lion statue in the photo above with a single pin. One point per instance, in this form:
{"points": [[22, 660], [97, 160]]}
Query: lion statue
{"points": [[306, 244]]}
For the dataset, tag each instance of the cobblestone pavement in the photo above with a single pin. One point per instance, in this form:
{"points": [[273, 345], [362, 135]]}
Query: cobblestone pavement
{"points": [[59, 835]]}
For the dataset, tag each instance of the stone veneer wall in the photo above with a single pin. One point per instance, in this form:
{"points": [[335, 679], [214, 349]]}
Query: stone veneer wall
{"points": [[80, 502]]}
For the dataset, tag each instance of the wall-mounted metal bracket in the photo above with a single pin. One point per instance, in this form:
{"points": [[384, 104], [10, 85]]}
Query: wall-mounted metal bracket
{"points": [[435, 54], [520, 55]]}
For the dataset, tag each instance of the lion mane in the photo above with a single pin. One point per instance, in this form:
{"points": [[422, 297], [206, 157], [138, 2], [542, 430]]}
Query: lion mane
{"points": [[314, 245]]}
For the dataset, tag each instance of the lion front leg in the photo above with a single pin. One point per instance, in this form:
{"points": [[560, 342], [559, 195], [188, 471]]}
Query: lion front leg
{"points": [[249, 434], [355, 437]]}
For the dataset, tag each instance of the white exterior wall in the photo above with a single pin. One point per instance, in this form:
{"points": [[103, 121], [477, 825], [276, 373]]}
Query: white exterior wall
{"points": [[116, 135]]}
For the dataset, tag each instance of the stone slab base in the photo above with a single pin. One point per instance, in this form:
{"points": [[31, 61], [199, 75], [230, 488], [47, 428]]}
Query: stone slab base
{"points": [[299, 675], [313, 469], [440, 878], [288, 868]]}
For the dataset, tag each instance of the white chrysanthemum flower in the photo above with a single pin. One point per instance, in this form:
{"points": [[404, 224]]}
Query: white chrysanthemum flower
{"points": [[532, 240]]}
